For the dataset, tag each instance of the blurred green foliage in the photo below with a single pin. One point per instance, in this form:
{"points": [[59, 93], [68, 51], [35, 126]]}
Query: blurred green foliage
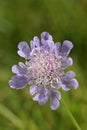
{"points": [[20, 20]]}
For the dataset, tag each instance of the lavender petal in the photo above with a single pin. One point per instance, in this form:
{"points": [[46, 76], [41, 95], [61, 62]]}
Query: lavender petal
{"points": [[24, 50], [56, 84], [70, 75], [45, 36], [35, 42], [54, 100], [57, 49], [47, 41], [73, 83], [19, 69], [43, 96], [45, 47], [66, 62], [57, 94], [36, 97], [54, 103], [69, 83], [48, 45], [18, 82], [34, 90], [65, 87], [66, 47]]}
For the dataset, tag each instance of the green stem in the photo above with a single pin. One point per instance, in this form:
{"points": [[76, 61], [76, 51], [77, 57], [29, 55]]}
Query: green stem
{"points": [[70, 115]]}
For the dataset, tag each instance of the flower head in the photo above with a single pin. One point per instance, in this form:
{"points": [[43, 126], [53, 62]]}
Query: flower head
{"points": [[43, 70]]}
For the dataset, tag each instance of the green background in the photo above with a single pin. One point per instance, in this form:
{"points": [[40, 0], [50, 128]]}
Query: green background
{"points": [[21, 20]]}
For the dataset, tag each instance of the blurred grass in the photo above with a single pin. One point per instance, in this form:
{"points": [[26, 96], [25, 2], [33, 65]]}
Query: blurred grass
{"points": [[21, 20], [9, 115]]}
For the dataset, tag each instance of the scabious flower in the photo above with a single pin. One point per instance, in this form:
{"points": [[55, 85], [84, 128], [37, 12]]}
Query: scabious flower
{"points": [[43, 70]]}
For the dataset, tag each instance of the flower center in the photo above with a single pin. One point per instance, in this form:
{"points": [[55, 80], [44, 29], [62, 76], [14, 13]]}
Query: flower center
{"points": [[43, 67]]}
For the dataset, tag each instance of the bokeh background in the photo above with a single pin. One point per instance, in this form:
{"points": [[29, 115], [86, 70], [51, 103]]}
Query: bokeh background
{"points": [[20, 20]]}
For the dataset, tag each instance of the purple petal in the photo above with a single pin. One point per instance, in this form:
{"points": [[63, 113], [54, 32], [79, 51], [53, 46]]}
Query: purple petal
{"points": [[64, 87], [35, 42], [54, 100], [19, 70], [57, 49], [35, 51], [48, 45], [43, 100], [69, 83], [70, 75], [51, 44], [34, 89], [54, 103], [56, 83], [66, 63], [24, 50], [45, 47], [47, 41], [18, 82], [36, 97], [58, 95], [73, 83], [66, 47], [45, 36], [43, 96]]}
